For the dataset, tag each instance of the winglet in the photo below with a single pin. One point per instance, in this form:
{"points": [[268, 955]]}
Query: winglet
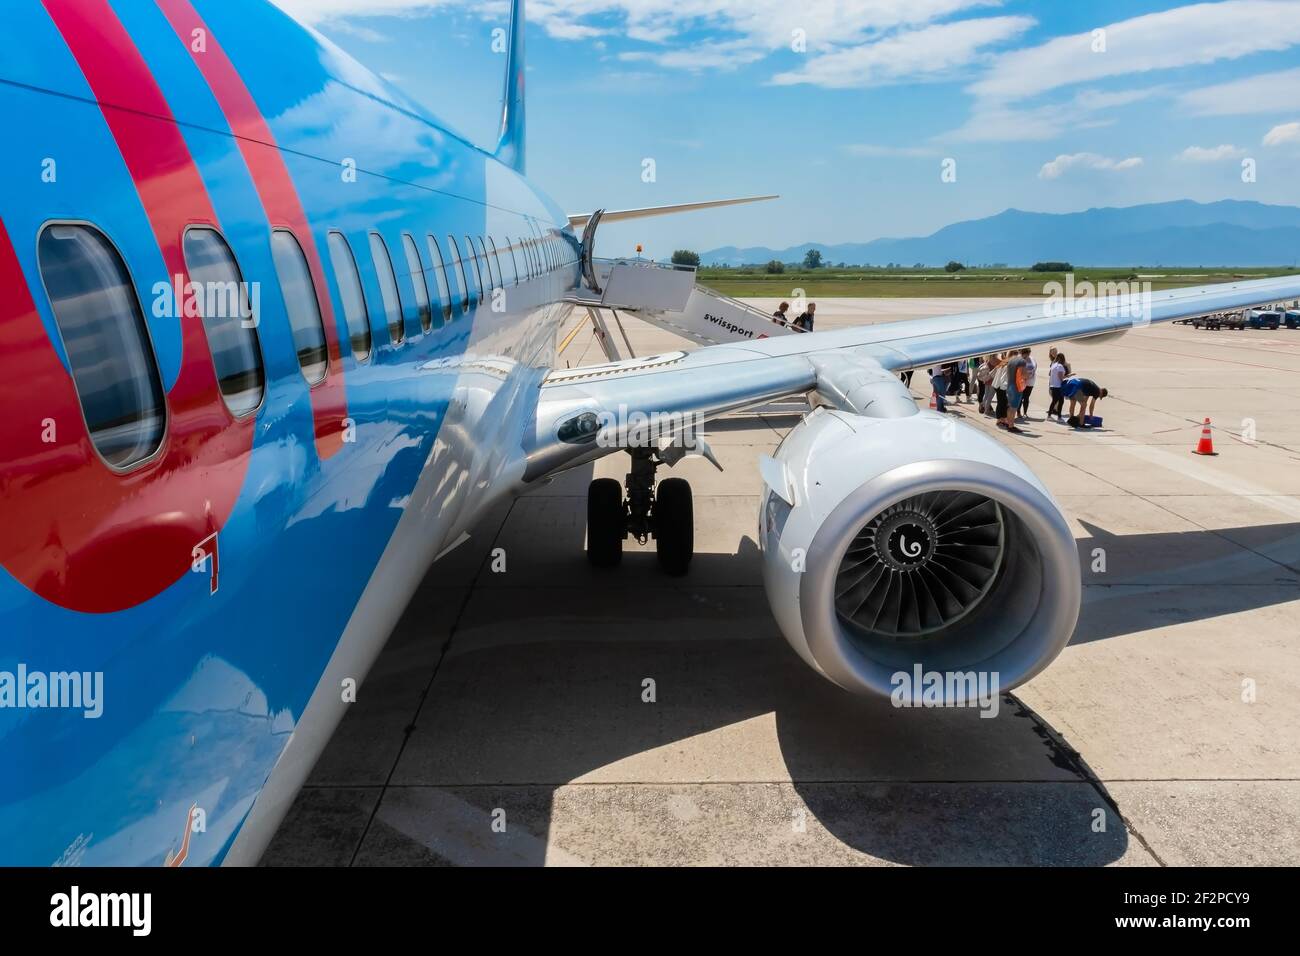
{"points": [[510, 143]]}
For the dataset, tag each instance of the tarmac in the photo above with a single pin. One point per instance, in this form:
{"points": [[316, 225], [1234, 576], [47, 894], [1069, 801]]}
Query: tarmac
{"points": [[507, 723]]}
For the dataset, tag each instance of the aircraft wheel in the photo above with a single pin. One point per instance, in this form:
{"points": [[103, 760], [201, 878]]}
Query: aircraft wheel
{"points": [[674, 515], [606, 523]]}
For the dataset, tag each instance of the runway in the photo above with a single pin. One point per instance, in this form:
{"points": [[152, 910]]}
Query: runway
{"points": [[507, 722]]}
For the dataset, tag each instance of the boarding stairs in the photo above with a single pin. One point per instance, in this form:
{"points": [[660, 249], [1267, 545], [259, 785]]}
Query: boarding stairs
{"points": [[666, 296]]}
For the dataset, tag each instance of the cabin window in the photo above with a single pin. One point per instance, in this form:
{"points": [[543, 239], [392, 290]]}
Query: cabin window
{"points": [[228, 320], [299, 293], [509, 274], [388, 288], [521, 264], [350, 291], [545, 250], [481, 274], [440, 275], [418, 281], [490, 281], [528, 257], [521, 260], [475, 269], [114, 369], [494, 262], [537, 256], [458, 260], [534, 245]]}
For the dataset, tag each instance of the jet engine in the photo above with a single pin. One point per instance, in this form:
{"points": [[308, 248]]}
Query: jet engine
{"points": [[914, 544]]}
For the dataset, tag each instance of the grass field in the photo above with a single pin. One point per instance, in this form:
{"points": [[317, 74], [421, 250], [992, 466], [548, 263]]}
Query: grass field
{"points": [[934, 283]]}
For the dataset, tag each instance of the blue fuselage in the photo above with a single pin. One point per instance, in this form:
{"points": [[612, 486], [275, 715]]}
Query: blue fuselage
{"points": [[217, 697]]}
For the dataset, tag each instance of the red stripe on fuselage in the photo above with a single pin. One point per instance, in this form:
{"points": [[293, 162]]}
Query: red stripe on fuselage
{"points": [[76, 532], [277, 192]]}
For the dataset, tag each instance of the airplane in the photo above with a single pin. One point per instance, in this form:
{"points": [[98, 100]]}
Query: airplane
{"points": [[273, 337]]}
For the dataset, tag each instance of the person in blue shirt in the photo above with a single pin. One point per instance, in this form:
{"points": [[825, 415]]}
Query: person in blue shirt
{"points": [[1083, 394]]}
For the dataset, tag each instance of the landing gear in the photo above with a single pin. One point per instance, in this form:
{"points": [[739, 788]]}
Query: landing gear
{"points": [[606, 523], [674, 522], [665, 514]]}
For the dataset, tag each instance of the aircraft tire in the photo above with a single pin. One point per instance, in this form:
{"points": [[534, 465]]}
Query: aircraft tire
{"points": [[606, 523], [674, 514]]}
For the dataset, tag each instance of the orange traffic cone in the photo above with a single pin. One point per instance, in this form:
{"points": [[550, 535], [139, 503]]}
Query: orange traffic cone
{"points": [[1206, 445], [933, 402]]}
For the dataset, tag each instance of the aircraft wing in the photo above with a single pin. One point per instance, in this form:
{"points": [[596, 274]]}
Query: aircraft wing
{"points": [[615, 215], [722, 378]]}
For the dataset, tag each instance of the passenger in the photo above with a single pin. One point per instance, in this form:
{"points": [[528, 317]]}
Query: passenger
{"points": [[1000, 390], [972, 366], [1055, 378], [1083, 393], [1030, 377], [939, 381], [984, 378], [804, 323], [780, 314], [958, 381], [951, 375], [1015, 380]]}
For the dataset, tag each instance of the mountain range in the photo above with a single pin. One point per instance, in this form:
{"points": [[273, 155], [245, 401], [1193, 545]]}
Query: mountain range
{"points": [[1175, 234]]}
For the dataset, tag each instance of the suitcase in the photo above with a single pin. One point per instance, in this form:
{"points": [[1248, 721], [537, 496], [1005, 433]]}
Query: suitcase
{"points": [[1092, 421], [1074, 422]]}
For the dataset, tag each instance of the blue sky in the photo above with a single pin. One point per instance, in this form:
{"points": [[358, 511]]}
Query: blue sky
{"points": [[850, 108]]}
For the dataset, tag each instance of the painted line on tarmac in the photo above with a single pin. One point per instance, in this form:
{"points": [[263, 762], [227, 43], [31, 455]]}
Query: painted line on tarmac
{"points": [[458, 831], [1285, 504]]}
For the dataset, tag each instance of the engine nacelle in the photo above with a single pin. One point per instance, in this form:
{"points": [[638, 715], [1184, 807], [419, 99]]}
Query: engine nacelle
{"points": [[890, 543]]}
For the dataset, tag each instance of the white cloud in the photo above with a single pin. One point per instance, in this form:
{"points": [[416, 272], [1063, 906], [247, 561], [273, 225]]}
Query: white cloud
{"points": [[909, 54], [1184, 36], [1195, 34], [766, 24], [319, 11], [701, 56], [360, 32], [1210, 154], [1096, 100], [1277, 92], [1002, 123], [1286, 133], [853, 43], [1063, 164], [872, 149]]}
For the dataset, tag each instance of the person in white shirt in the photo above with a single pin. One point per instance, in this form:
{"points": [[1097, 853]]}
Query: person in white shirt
{"points": [[1000, 387], [983, 376], [1055, 379]]}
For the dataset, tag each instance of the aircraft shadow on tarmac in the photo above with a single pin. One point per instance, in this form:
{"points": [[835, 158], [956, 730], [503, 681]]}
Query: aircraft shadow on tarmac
{"points": [[1161, 579], [496, 700]]}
